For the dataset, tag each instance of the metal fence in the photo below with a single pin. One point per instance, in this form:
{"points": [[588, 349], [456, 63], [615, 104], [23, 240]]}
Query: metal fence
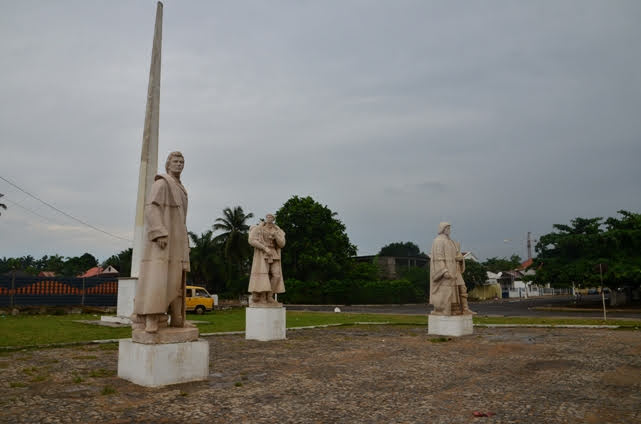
{"points": [[58, 291]]}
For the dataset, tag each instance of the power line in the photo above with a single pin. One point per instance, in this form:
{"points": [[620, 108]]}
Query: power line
{"points": [[29, 210], [63, 212]]}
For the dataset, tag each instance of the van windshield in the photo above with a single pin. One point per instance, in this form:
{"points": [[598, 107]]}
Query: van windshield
{"points": [[201, 293]]}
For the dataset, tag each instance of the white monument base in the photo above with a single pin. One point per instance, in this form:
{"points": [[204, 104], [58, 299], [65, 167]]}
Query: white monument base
{"points": [[126, 293], [156, 365], [265, 324], [455, 325]]}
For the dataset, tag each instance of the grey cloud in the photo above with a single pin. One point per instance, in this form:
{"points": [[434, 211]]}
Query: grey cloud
{"points": [[501, 117]]}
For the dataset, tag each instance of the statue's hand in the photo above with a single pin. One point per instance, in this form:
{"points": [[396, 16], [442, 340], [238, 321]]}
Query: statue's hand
{"points": [[447, 275], [161, 242]]}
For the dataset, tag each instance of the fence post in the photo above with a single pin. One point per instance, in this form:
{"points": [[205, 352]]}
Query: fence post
{"points": [[82, 301], [13, 287]]}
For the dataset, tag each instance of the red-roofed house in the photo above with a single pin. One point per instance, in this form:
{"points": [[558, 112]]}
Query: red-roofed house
{"points": [[525, 264], [100, 271]]}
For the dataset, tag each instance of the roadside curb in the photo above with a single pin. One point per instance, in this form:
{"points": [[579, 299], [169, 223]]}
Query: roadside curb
{"points": [[579, 310]]}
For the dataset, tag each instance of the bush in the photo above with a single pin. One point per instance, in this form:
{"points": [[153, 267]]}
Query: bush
{"points": [[351, 292], [420, 279]]}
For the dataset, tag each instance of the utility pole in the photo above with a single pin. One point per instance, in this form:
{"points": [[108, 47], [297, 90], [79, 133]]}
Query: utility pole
{"points": [[605, 318]]}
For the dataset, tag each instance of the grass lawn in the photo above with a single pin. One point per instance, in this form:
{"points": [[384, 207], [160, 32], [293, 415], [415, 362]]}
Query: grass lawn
{"points": [[627, 323], [29, 330], [26, 330]]}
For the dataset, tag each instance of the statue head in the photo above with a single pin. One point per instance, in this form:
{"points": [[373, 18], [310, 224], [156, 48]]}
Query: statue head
{"points": [[269, 219], [175, 164], [444, 228]]}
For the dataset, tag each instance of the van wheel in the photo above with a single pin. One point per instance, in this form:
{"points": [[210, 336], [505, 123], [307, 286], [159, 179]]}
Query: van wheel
{"points": [[200, 309]]}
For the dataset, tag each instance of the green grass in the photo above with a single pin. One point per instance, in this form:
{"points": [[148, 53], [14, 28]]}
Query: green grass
{"points": [[101, 373], [25, 330], [108, 390], [440, 339], [234, 320], [556, 321], [30, 330], [15, 384]]}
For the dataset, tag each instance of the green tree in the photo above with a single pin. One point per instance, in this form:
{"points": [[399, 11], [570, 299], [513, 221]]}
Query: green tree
{"points": [[2, 205], [318, 247], [121, 261], [53, 263], [234, 227], [420, 280], [79, 264], [401, 249], [475, 273], [206, 262], [501, 264], [25, 263], [571, 254]]}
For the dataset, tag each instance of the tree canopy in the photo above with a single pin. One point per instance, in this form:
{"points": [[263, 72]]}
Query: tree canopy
{"points": [[318, 247], [572, 253], [69, 267], [120, 261], [2, 205], [475, 273], [234, 227], [496, 264], [207, 262], [401, 249]]}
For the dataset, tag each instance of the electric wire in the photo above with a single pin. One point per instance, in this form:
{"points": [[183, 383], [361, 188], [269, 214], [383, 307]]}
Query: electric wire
{"points": [[29, 210], [63, 212]]}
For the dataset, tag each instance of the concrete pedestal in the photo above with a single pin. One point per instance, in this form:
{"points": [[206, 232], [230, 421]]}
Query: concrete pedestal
{"points": [[265, 324], [455, 325], [157, 365], [126, 293]]}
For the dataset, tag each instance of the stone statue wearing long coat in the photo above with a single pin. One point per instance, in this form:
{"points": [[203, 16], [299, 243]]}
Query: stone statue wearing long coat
{"points": [[165, 261], [447, 265], [266, 277]]}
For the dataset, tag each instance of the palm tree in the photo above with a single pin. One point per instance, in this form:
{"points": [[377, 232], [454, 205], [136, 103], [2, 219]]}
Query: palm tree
{"points": [[234, 236], [206, 261], [2, 205]]}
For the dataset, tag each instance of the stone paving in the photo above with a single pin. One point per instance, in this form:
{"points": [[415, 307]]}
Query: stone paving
{"points": [[362, 374]]}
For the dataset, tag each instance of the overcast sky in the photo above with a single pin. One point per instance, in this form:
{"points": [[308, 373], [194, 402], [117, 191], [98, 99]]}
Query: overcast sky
{"points": [[501, 117]]}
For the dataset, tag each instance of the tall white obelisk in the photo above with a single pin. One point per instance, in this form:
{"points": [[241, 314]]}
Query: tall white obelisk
{"points": [[149, 155], [148, 169]]}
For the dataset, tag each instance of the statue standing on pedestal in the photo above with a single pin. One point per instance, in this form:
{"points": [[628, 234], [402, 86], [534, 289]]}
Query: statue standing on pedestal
{"points": [[165, 262], [266, 278], [448, 293]]}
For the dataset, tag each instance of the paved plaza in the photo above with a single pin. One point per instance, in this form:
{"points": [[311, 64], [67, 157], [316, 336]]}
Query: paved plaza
{"points": [[360, 374]]}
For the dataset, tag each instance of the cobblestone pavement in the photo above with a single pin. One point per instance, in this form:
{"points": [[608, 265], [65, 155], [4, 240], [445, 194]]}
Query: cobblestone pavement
{"points": [[363, 374]]}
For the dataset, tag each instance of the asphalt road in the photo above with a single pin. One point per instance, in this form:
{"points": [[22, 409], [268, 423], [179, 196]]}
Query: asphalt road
{"points": [[503, 307]]}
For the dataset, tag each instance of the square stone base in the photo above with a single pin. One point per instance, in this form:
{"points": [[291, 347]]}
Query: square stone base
{"points": [[157, 365], [166, 335], [115, 319], [125, 305], [265, 324], [454, 325]]}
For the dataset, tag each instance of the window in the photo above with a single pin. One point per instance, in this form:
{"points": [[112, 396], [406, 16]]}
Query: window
{"points": [[201, 293]]}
